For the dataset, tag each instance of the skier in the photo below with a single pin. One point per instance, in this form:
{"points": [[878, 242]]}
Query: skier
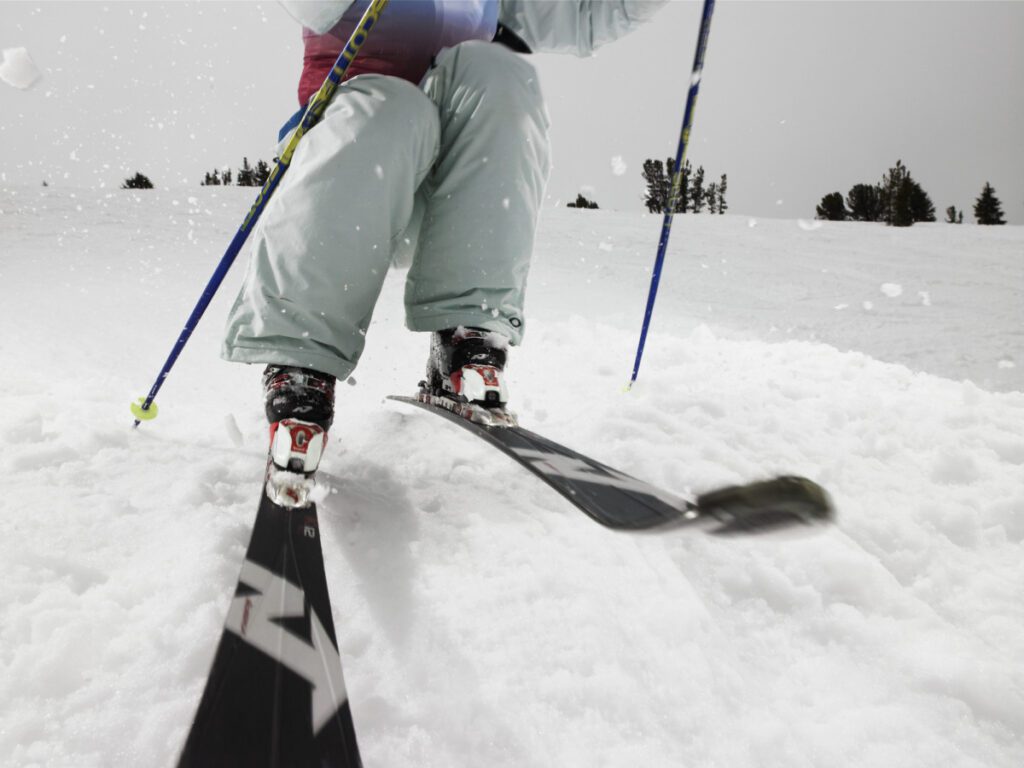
{"points": [[438, 139]]}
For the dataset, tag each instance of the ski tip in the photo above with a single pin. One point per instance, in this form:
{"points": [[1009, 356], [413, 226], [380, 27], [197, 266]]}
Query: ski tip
{"points": [[142, 412], [767, 505]]}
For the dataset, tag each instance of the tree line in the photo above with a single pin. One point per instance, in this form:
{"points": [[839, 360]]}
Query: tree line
{"points": [[694, 195], [248, 176], [899, 201], [582, 202]]}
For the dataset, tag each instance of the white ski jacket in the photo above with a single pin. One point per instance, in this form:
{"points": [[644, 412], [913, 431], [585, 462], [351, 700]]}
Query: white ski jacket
{"points": [[562, 26]]}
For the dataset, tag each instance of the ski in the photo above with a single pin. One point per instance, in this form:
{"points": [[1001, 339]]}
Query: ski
{"points": [[275, 695], [618, 501]]}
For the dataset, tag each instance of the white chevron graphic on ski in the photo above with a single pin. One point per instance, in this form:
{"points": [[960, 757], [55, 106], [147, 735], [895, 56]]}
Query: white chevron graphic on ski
{"points": [[254, 617]]}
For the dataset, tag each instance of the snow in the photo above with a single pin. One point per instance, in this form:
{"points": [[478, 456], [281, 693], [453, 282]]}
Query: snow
{"points": [[892, 290], [481, 619], [18, 69]]}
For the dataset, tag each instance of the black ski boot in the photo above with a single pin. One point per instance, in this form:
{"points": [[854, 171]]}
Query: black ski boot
{"points": [[466, 375], [300, 409]]}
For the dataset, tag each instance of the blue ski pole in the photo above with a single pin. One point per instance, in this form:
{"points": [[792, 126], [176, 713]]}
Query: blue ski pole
{"points": [[145, 409], [677, 178]]}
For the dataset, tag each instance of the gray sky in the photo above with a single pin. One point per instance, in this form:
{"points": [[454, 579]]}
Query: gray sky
{"points": [[798, 99]]}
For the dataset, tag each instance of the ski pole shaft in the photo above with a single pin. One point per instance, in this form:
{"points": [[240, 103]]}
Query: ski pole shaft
{"points": [[314, 112], [677, 179]]}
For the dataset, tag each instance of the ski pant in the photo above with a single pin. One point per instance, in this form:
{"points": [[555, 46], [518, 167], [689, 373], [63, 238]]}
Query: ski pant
{"points": [[456, 167]]}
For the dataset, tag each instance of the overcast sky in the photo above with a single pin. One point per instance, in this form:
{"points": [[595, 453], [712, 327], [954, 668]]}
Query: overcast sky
{"points": [[798, 99]]}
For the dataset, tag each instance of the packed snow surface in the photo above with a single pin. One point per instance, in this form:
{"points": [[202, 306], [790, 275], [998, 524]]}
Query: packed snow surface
{"points": [[482, 620]]}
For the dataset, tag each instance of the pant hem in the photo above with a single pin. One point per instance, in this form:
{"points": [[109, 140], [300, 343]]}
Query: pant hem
{"points": [[317, 361], [442, 321]]}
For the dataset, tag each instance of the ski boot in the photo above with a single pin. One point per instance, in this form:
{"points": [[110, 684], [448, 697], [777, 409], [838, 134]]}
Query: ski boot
{"points": [[300, 409], [466, 375]]}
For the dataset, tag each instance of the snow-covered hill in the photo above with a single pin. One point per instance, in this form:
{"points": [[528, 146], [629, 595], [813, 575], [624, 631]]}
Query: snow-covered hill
{"points": [[482, 620]]}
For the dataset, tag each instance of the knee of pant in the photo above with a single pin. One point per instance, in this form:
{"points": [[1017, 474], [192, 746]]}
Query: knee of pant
{"points": [[508, 78], [387, 101]]}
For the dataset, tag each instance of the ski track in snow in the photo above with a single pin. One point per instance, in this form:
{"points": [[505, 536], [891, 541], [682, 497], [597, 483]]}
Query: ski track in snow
{"points": [[481, 619]]}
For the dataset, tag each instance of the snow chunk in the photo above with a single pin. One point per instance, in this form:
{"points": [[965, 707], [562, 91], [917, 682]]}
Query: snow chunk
{"points": [[18, 69], [892, 290], [619, 167], [809, 225]]}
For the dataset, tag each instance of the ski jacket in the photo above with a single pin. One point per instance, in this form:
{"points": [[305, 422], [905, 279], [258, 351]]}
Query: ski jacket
{"points": [[411, 32]]}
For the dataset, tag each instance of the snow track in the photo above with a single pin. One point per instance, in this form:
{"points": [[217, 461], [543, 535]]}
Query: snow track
{"points": [[481, 619]]}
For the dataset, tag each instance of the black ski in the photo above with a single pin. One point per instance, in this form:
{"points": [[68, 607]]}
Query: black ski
{"points": [[275, 695], [618, 501]]}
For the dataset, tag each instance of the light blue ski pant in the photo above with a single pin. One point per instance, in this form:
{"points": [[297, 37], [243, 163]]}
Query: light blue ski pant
{"points": [[456, 167]]}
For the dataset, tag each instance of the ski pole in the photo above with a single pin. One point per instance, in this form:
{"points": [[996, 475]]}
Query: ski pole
{"points": [[677, 180], [145, 409]]}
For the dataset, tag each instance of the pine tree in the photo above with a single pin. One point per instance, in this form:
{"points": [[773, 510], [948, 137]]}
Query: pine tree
{"points": [[227, 177], [722, 207], [261, 173], [582, 202], [831, 208], [138, 181], [987, 208], [921, 207], [711, 196], [894, 194], [902, 214], [951, 215], [245, 174], [656, 196], [684, 183], [864, 203], [697, 191]]}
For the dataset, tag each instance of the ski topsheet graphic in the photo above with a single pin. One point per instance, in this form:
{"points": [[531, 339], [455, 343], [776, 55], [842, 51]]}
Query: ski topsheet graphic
{"points": [[275, 695], [258, 617], [619, 501]]}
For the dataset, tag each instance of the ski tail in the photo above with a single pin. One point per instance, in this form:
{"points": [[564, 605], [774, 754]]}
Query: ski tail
{"points": [[618, 501], [609, 497], [275, 695]]}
